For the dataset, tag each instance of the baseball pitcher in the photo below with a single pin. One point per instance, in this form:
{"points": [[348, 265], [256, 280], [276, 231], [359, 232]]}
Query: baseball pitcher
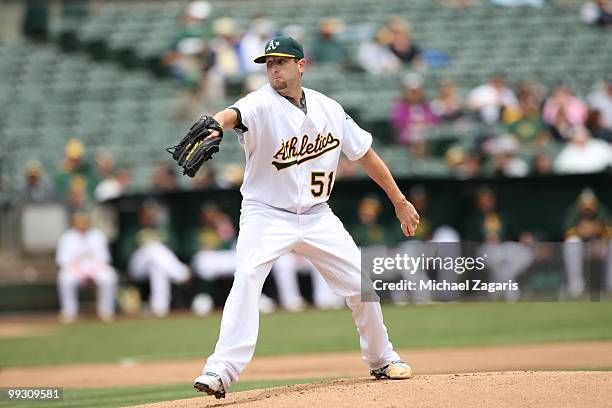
{"points": [[292, 138]]}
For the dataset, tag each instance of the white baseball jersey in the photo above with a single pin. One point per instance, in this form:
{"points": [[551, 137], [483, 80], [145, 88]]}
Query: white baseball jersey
{"points": [[88, 247], [291, 157]]}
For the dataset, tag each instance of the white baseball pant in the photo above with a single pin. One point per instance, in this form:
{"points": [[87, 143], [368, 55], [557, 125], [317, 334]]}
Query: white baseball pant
{"points": [[69, 280], [158, 263], [265, 235]]}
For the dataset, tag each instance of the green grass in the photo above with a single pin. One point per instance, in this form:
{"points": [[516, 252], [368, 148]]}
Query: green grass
{"points": [[124, 396], [449, 325]]}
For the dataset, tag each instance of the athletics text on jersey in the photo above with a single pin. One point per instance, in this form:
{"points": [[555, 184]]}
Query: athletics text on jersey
{"points": [[293, 154]]}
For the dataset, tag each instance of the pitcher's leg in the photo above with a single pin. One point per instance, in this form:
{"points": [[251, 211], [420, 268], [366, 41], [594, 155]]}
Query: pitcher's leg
{"points": [[333, 252], [322, 294], [264, 236], [239, 325]]}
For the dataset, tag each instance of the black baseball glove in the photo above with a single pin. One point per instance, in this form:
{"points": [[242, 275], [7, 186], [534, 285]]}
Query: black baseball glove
{"points": [[197, 146]]}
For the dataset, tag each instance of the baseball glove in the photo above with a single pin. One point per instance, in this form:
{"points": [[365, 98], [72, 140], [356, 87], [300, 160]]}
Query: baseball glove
{"points": [[196, 147]]}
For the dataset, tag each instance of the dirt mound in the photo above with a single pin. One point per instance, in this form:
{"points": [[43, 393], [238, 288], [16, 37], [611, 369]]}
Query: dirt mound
{"points": [[508, 389]]}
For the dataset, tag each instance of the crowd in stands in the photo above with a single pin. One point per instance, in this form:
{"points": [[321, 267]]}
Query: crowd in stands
{"points": [[521, 130], [528, 124], [515, 129]]}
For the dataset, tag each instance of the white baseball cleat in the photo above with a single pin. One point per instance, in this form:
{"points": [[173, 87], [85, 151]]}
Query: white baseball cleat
{"points": [[211, 384], [395, 370]]}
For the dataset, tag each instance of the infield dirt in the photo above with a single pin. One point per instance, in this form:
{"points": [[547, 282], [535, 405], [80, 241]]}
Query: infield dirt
{"points": [[550, 356], [492, 390]]}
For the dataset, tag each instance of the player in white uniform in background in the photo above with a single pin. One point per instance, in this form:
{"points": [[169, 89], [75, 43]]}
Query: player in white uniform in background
{"points": [[286, 271], [83, 256], [292, 138]]}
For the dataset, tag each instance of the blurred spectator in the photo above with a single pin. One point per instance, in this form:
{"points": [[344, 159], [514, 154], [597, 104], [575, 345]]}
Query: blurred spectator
{"points": [[374, 237], [595, 125], [562, 111], [231, 176], [83, 257], [401, 42], [431, 230], [598, 12], [418, 149], [464, 164], [164, 177], [327, 49], [152, 247], [297, 32], [601, 100], [486, 223], [191, 59], [225, 46], [105, 162], [35, 190], [583, 154], [192, 64], [77, 193], [369, 230], [412, 114], [76, 174], [449, 106], [505, 260], [491, 99], [107, 186], [114, 186], [211, 248], [525, 119], [505, 162], [542, 164], [375, 57], [194, 23], [530, 97], [588, 233], [189, 54], [253, 41], [215, 232], [204, 178]]}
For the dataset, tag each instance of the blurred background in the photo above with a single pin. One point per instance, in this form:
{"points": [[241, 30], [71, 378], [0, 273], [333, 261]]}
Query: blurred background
{"points": [[495, 116]]}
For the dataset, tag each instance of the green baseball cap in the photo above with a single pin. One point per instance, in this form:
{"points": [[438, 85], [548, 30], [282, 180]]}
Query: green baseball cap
{"points": [[281, 47]]}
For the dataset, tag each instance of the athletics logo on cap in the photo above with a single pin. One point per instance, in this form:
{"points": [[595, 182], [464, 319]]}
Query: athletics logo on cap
{"points": [[272, 45], [281, 47]]}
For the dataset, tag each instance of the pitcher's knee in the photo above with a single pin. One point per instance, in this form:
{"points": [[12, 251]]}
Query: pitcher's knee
{"points": [[249, 275]]}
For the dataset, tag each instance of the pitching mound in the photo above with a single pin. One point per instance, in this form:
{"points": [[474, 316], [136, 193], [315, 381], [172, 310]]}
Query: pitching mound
{"points": [[508, 389]]}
